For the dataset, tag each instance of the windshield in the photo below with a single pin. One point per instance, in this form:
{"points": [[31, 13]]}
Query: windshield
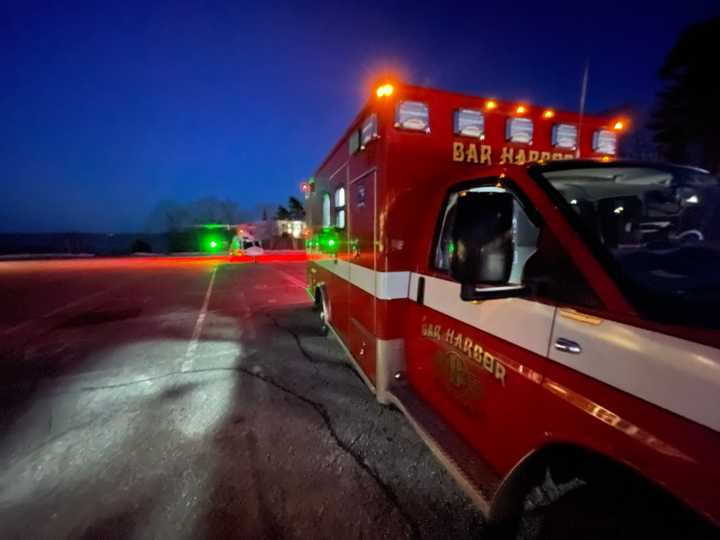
{"points": [[662, 227]]}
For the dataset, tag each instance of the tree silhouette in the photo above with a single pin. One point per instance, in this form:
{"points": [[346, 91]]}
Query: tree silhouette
{"points": [[172, 216], [294, 210], [686, 120], [282, 213]]}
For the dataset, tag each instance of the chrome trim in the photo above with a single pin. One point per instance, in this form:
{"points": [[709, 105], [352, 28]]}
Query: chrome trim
{"points": [[568, 346]]}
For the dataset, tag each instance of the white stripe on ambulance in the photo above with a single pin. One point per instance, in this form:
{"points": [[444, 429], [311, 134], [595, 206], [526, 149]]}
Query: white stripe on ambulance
{"points": [[678, 375]]}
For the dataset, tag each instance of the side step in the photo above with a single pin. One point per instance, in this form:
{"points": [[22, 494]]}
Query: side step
{"points": [[474, 476]]}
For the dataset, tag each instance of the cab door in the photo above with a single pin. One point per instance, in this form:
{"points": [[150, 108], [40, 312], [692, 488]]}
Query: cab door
{"points": [[480, 363]]}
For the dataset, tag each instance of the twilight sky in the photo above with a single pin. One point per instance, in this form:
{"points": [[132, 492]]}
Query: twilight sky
{"points": [[111, 107]]}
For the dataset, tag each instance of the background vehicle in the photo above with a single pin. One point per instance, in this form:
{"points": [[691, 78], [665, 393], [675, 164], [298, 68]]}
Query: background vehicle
{"points": [[246, 244], [545, 324]]}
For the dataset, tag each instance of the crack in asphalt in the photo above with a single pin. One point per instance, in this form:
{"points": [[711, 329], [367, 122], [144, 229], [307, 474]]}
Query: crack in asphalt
{"points": [[321, 410], [348, 448], [295, 336], [309, 356], [318, 407]]}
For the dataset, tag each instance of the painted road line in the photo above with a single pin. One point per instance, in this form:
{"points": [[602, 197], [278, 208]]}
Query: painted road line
{"points": [[195, 340], [292, 279]]}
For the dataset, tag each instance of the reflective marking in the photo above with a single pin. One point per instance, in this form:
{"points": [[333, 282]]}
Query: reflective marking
{"points": [[192, 346], [570, 313], [678, 375], [611, 419], [382, 285]]}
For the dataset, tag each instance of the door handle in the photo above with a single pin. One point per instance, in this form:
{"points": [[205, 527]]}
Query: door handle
{"points": [[569, 346]]}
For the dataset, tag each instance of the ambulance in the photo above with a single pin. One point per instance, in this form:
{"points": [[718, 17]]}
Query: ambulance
{"points": [[544, 314]]}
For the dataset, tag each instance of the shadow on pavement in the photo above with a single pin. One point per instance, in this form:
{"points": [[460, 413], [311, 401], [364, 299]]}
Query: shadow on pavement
{"points": [[109, 429]]}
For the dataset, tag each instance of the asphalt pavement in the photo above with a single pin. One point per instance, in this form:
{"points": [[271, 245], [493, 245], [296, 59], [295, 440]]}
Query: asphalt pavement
{"points": [[162, 398]]}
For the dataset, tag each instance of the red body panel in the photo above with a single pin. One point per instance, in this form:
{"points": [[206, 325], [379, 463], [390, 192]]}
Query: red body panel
{"points": [[395, 189], [670, 450], [495, 417]]}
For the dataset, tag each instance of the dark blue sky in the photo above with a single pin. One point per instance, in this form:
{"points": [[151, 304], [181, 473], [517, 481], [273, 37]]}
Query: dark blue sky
{"points": [[110, 107]]}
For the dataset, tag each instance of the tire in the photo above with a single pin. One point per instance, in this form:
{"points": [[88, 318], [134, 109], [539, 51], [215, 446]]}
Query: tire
{"points": [[578, 514], [616, 509], [319, 307]]}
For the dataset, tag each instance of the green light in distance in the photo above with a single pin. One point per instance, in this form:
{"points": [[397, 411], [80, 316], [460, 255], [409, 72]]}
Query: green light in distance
{"points": [[211, 243]]}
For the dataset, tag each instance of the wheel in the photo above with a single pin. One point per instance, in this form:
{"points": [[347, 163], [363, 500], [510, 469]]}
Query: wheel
{"points": [[578, 513], [618, 508], [324, 329], [319, 307]]}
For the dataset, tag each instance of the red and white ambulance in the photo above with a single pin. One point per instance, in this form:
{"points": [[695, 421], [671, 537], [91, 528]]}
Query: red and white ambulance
{"points": [[544, 315]]}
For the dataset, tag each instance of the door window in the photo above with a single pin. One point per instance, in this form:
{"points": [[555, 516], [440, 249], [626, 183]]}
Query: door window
{"points": [[525, 234], [540, 262]]}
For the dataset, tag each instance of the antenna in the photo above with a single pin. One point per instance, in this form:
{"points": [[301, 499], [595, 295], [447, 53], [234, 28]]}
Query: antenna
{"points": [[583, 94]]}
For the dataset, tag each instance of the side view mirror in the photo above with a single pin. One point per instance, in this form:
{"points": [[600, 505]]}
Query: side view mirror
{"points": [[484, 246]]}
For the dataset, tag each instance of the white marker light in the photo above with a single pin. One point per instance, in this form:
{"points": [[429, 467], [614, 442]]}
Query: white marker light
{"points": [[413, 115], [605, 142], [519, 130], [469, 123], [369, 131], [564, 136]]}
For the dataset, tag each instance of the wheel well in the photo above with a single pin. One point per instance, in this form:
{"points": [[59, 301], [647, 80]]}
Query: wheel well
{"points": [[565, 463]]}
